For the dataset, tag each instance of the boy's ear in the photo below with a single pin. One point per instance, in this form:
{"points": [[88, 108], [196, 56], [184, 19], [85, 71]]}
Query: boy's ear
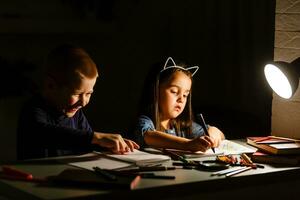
{"points": [[50, 83]]}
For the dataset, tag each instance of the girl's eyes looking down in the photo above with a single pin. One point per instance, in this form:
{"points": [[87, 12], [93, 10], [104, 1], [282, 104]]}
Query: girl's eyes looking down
{"points": [[178, 91]]}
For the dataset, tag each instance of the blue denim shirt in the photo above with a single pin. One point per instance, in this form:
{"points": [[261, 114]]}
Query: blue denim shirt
{"points": [[145, 124]]}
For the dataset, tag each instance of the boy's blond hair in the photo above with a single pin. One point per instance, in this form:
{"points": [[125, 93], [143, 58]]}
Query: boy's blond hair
{"points": [[67, 63]]}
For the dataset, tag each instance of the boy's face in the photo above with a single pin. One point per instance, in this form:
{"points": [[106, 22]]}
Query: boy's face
{"points": [[70, 99], [173, 95]]}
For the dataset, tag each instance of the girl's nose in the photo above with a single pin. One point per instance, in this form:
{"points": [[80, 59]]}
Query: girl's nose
{"points": [[180, 98]]}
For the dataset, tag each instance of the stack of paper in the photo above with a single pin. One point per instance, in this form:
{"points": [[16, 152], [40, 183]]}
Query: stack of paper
{"points": [[115, 161], [275, 145], [139, 158]]}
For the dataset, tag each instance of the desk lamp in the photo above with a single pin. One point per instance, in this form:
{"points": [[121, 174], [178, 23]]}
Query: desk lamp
{"points": [[283, 77]]}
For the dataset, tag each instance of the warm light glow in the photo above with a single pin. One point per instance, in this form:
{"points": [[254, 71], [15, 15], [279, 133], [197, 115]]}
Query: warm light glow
{"points": [[278, 81]]}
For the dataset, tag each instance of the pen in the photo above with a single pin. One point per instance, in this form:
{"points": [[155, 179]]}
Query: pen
{"points": [[205, 129], [152, 175], [238, 171], [105, 174], [175, 156], [154, 168]]}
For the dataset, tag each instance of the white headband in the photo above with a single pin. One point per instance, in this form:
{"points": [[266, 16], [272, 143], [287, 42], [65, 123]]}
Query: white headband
{"points": [[193, 69]]}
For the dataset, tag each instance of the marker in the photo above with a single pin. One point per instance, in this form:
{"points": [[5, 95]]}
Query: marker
{"points": [[105, 174], [154, 176], [205, 129], [154, 168]]}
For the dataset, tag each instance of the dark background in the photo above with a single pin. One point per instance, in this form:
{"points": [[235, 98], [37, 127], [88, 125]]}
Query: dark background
{"points": [[229, 39]]}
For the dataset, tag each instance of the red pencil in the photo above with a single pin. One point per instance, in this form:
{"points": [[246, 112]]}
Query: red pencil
{"points": [[10, 171], [135, 182]]}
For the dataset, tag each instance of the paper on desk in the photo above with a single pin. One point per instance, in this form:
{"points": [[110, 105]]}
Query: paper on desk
{"points": [[102, 162], [230, 147], [226, 147], [139, 158], [117, 161]]}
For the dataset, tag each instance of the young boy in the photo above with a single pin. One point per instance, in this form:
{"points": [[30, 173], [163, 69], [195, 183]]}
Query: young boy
{"points": [[53, 123]]}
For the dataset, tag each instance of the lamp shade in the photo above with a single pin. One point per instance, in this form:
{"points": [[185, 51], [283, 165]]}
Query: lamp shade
{"points": [[283, 77]]}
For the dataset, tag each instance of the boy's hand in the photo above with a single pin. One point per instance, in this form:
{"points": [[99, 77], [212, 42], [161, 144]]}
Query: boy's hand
{"points": [[115, 142], [131, 144], [215, 135]]}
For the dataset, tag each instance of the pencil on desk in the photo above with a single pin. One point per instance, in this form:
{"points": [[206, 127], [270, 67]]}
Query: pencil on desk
{"points": [[238, 171], [145, 169], [226, 171], [175, 156], [246, 158]]}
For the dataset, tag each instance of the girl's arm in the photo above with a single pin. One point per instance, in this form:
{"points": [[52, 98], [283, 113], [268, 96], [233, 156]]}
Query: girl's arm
{"points": [[160, 139]]}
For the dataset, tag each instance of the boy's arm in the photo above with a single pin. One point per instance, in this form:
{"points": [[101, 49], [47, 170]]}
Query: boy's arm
{"points": [[36, 127]]}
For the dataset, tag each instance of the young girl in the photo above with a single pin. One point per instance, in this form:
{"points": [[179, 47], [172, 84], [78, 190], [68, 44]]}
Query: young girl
{"points": [[53, 123], [167, 118]]}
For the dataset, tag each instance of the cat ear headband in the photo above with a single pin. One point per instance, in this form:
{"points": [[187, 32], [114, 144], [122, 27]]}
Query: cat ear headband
{"points": [[193, 69]]}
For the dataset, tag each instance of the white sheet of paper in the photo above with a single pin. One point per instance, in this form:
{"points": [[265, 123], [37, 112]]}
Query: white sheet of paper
{"points": [[226, 147], [139, 157], [104, 163], [229, 147]]}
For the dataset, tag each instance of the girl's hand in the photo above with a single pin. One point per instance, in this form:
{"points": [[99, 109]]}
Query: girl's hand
{"points": [[215, 135], [199, 144]]}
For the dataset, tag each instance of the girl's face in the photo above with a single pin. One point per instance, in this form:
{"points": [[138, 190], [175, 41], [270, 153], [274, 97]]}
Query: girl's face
{"points": [[71, 99], [173, 95]]}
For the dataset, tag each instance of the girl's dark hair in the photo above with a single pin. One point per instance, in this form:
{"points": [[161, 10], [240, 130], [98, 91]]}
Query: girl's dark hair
{"points": [[150, 96]]}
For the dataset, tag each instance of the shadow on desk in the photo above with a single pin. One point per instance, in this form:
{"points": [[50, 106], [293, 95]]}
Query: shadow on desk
{"points": [[59, 160]]}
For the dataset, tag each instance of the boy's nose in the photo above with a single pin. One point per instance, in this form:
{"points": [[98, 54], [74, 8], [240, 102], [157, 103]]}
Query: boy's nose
{"points": [[84, 100]]}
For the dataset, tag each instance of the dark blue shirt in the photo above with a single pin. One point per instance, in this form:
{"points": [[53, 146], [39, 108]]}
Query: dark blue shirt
{"points": [[44, 132], [145, 123]]}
